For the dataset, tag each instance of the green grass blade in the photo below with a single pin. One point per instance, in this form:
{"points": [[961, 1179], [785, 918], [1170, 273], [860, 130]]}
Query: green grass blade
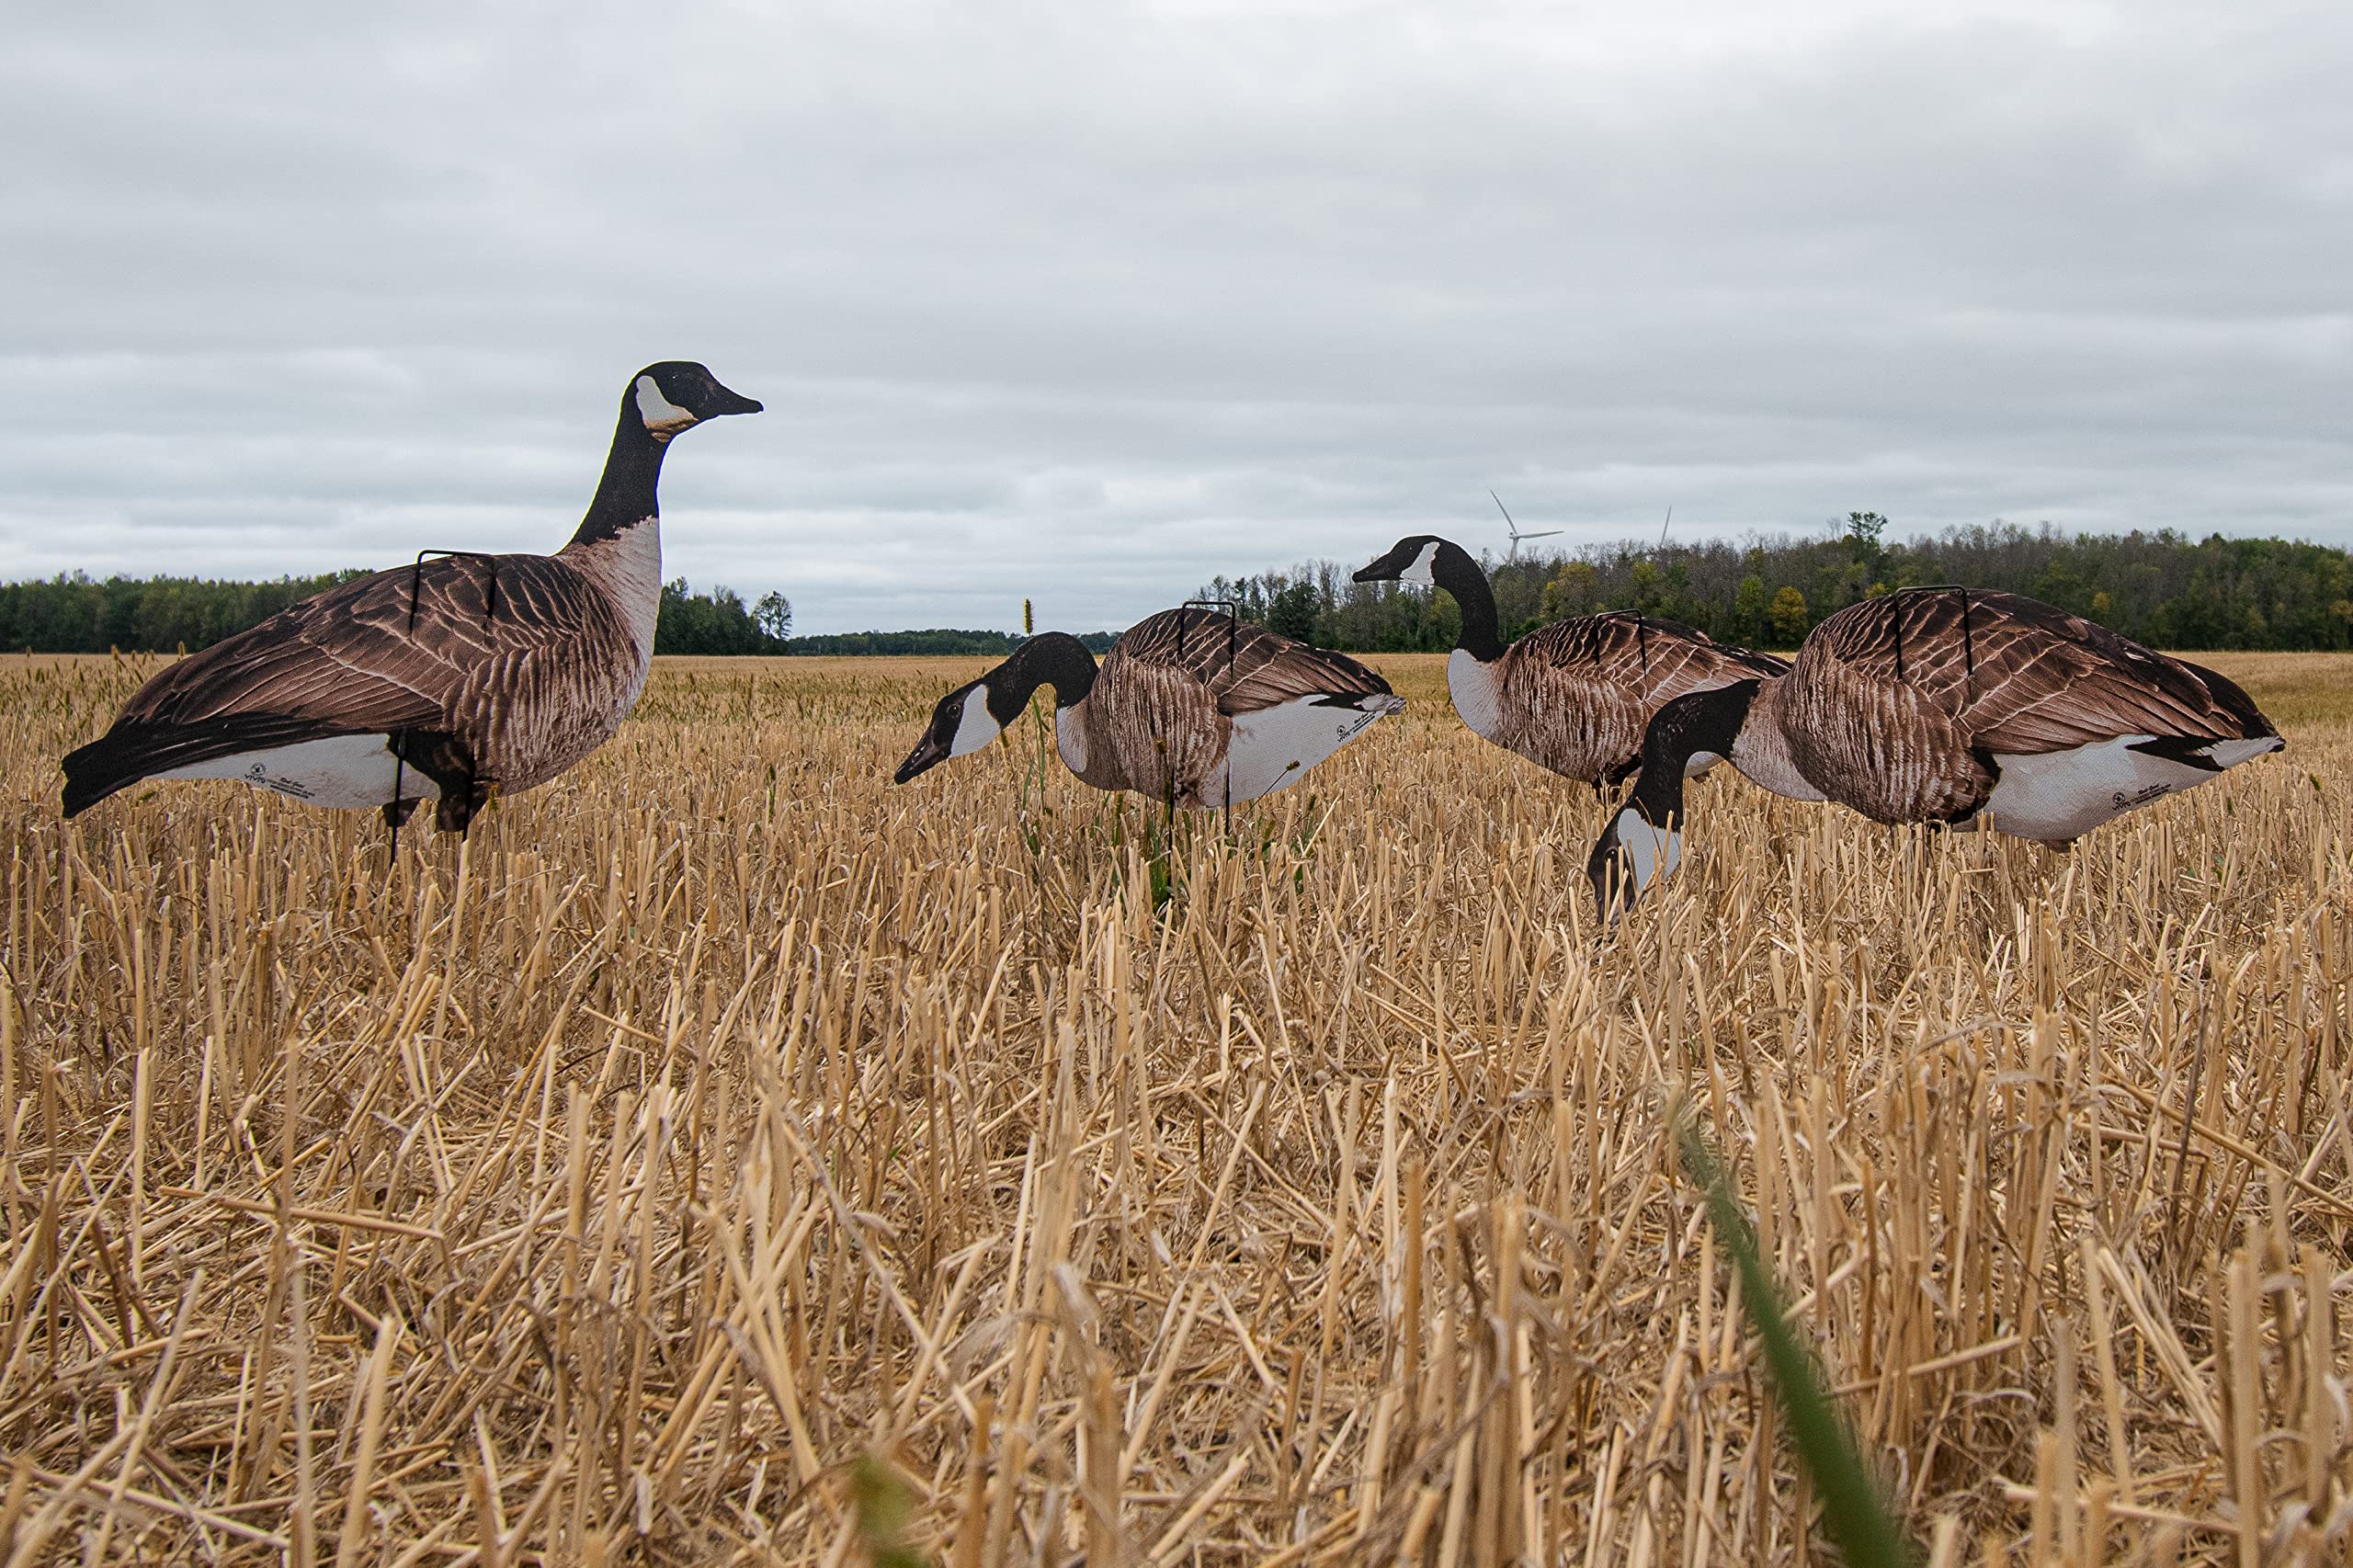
{"points": [[1856, 1520], [882, 1502]]}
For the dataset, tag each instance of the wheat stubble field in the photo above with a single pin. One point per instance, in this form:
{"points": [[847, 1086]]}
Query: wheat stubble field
{"points": [[726, 1156]]}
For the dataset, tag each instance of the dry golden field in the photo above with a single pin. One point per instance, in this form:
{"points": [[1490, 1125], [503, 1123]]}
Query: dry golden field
{"points": [[726, 1156]]}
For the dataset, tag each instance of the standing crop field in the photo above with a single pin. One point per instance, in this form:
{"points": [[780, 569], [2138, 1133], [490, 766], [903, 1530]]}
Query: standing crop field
{"points": [[727, 1156]]}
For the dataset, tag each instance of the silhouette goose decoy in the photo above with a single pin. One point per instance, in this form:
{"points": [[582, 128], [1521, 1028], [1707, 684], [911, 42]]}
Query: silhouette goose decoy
{"points": [[1572, 697], [1955, 706], [451, 680], [1190, 707]]}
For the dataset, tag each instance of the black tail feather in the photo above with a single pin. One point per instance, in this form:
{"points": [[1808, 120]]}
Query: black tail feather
{"points": [[2235, 701]]}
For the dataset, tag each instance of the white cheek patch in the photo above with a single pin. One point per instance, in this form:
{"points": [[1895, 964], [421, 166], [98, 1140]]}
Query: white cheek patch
{"points": [[1419, 571], [1653, 852], [662, 417], [978, 727]]}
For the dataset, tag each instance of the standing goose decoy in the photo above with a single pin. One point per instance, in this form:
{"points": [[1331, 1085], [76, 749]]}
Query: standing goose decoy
{"points": [[1572, 697], [460, 677], [1945, 705], [1190, 707]]}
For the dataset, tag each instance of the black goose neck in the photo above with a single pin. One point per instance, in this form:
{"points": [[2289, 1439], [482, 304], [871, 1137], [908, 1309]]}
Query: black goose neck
{"points": [[627, 494], [1700, 722], [1051, 658], [1453, 570]]}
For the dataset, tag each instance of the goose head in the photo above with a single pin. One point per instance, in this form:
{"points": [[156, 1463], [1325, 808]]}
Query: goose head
{"points": [[1412, 560], [1632, 852], [1431, 562], [967, 718], [1642, 844], [677, 395]]}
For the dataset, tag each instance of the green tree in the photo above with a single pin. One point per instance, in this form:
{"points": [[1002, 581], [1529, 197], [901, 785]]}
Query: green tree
{"points": [[1570, 591], [1863, 531], [1292, 612], [1650, 593], [1751, 610], [715, 622], [774, 614], [1789, 618]]}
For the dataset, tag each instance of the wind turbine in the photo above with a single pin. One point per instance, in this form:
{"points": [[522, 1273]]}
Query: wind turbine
{"points": [[1516, 535]]}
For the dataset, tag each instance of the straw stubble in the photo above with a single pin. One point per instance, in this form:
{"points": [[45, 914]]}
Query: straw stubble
{"points": [[607, 1186]]}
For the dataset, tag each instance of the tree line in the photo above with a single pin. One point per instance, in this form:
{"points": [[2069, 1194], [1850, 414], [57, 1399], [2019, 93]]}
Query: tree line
{"points": [[74, 613], [934, 639], [2161, 588]]}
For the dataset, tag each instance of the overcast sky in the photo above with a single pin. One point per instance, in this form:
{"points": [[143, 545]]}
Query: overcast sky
{"points": [[1088, 301]]}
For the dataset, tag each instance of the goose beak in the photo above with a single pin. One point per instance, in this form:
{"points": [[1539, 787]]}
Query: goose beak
{"points": [[724, 401], [928, 752], [1399, 564]]}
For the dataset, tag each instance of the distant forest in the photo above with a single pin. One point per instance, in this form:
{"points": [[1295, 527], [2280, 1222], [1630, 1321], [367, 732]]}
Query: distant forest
{"points": [[2158, 588], [1765, 591], [78, 614]]}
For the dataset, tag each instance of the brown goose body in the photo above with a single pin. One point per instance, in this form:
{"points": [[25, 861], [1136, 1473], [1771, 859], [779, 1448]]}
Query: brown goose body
{"points": [[1572, 697], [1162, 719], [452, 680], [1190, 707], [522, 663], [1912, 707], [1946, 705]]}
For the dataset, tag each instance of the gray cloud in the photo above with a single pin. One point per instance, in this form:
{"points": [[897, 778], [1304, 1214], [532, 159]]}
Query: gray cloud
{"points": [[1086, 302]]}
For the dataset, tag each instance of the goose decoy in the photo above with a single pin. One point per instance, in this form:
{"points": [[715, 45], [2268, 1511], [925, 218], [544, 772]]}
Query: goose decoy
{"points": [[1190, 707], [1571, 696], [461, 677], [1944, 705]]}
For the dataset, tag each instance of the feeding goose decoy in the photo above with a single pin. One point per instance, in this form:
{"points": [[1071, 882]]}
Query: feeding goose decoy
{"points": [[1945, 705], [1190, 707], [461, 677], [1571, 696]]}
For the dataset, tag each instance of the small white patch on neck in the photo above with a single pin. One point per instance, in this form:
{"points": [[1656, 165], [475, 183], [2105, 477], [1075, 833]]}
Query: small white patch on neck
{"points": [[663, 417], [1653, 852], [978, 727], [1420, 571]]}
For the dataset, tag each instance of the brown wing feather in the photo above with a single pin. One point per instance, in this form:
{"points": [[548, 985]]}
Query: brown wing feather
{"points": [[498, 650], [2019, 676], [1577, 694], [1896, 706], [1246, 667]]}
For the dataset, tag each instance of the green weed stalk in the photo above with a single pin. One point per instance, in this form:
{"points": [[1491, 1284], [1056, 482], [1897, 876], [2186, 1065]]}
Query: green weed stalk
{"points": [[1857, 1522]]}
